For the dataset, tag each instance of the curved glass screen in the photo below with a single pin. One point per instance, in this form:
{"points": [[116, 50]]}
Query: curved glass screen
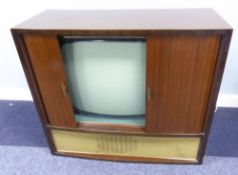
{"points": [[106, 79]]}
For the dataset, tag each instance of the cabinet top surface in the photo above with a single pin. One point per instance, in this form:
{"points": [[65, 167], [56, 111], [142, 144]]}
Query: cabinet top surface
{"points": [[164, 19]]}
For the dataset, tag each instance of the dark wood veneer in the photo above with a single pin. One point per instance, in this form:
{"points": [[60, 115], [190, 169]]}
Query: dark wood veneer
{"points": [[120, 20], [199, 45], [45, 57], [216, 82], [123, 131], [180, 70], [126, 158], [24, 58]]}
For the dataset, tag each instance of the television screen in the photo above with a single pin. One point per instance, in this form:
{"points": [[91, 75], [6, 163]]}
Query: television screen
{"points": [[106, 79]]}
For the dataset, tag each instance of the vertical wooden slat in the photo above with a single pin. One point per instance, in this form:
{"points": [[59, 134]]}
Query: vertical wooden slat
{"points": [[45, 57]]}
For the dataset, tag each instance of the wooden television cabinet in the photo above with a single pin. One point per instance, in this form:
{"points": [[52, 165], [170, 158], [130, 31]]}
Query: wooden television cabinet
{"points": [[185, 55]]}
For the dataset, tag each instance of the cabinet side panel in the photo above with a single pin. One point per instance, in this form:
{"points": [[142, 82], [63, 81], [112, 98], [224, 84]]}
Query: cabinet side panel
{"points": [[180, 73], [44, 54], [220, 65]]}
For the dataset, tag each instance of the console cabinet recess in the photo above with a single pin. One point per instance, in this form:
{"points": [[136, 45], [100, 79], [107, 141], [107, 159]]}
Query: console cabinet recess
{"points": [[186, 52]]}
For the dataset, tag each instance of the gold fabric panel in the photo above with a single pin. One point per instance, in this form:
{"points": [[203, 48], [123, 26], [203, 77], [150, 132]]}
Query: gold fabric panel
{"points": [[178, 148]]}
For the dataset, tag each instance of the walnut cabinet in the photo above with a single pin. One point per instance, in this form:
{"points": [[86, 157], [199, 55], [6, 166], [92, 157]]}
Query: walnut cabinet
{"points": [[184, 57]]}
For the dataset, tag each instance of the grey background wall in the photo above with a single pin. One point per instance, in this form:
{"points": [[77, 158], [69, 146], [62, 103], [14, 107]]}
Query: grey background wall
{"points": [[12, 81], [230, 77]]}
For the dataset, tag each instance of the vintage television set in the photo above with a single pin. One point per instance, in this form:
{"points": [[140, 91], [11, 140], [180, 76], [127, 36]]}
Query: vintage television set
{"points": [[128, 85], [106, 79]]}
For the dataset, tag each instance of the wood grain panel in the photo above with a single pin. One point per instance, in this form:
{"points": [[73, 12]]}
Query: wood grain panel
{"points": [[159, 19], [45, 57], [180, 72], [220, 65]]}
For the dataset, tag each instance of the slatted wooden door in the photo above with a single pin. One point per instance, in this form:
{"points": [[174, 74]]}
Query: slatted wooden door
{"points": [[179, 75]]}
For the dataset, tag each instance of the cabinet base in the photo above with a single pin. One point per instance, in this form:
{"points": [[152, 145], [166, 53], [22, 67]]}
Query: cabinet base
{"points": [[125, 147]]}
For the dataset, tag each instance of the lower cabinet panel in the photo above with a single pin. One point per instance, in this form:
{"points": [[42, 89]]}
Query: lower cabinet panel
{"points": [[124, 146]]}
